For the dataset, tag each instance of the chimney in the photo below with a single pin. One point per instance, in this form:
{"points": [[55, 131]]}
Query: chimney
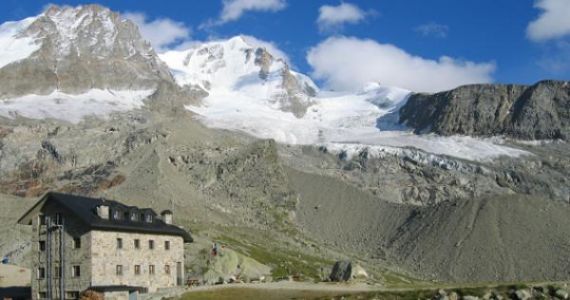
{"points": [[103, 212], [166, 216]]}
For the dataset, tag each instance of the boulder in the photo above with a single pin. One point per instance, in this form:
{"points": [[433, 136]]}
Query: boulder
{"points": [[562, 294], [523, 295], [341, 271], [346, 271]]}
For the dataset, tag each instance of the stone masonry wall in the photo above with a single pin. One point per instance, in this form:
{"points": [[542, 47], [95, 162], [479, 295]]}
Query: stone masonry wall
{"points": [[106, 256]]}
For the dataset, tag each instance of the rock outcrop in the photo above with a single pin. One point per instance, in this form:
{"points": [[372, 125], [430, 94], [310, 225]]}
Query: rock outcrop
{"points": [[540, 111], [82, 48]]}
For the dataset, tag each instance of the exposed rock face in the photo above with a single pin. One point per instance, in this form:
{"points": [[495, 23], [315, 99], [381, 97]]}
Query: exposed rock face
{"points": [[83, 48], [342, 271], [541, 111], [245, 69]]}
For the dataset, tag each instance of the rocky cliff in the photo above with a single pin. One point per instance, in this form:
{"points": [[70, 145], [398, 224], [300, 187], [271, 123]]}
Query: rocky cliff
{"points": [[78, 49], [540, 111]]}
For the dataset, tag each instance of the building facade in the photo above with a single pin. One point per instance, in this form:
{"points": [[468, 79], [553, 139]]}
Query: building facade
{"points": [[82, 243]]}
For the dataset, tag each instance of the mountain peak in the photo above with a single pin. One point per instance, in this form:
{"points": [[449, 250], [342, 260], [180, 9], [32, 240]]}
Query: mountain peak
{"points": [[76, 49]]}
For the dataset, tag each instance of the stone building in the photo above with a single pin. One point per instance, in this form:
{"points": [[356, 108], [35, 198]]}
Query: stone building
{"points": [[82, 243]]}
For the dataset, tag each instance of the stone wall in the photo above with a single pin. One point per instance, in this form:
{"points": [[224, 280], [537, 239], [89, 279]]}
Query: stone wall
{"points": [[106, 256], [73, 228]]}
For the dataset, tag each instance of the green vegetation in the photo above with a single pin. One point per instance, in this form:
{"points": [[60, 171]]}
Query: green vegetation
{"points": [[236, 293], [283, 263]]}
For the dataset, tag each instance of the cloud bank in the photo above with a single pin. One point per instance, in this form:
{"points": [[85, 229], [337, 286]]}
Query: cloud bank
{"points": [[552, 23], [333, 18], [233, 10], [346, 63], [433, 29], [162, 33]]}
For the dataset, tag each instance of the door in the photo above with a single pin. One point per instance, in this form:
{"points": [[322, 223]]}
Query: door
{"points": [[179, 275], [133, 295]]}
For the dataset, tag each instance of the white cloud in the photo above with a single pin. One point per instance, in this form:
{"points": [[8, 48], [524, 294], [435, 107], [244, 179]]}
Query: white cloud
{"points": [[269, 46], [333, 18], [162, 33], [234, 9], [552, 23], [346, 63], [433, 30]]}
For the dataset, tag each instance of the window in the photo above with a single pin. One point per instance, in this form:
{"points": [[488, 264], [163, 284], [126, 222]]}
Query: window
{"points": [[42, 220], [76, 243], [151, 269], [148, 218], [126, 215], [72, 295], [151, 244], [137, 244], [57, 272], [119, 243], [167, 269], [116, 214], [167, 245], [42, 295], [41, 273], [119, 270], [42, 246], [75, 271], [58, 219], [137, 269], [134, 217]]}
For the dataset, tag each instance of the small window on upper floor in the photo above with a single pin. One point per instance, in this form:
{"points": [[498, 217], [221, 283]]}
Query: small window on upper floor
{"points": [[151, 269], [167, 245], [119, 270], [76, 243], [137, 270], [116, 215], [41, 273], [137, 244], [42, 295], [119, 243], [167, 269], [76, 271], [148, 218], [42, 246], [42, 220], [151, 244], [134, 217], [58, 219]]}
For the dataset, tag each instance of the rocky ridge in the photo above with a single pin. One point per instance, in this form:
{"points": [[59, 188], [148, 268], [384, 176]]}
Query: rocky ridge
{"points": [[540, 111], [82, 48]]}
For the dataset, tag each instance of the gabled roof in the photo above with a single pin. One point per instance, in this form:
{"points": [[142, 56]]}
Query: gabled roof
{"points": [[85, 209]]}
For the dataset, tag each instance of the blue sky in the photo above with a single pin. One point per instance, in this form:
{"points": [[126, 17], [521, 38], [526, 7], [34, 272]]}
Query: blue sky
{"points": [[492, 35]]}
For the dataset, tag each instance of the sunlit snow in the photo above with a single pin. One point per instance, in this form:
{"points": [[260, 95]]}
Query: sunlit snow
{"points": [[73, 107], [342, 121], [12, 47]]}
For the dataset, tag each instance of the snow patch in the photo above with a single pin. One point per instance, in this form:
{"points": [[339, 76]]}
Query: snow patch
{"points": [[73, 108], [12, 47]]}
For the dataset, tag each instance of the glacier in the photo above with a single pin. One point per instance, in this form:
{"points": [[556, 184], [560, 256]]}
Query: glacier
{"points": [[239, 99], [73, 107]]}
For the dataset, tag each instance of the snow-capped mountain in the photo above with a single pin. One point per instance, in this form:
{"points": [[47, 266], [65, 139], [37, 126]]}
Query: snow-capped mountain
{"points": [[238, 68], [89, 61], [75, 51], [250, 90]]}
